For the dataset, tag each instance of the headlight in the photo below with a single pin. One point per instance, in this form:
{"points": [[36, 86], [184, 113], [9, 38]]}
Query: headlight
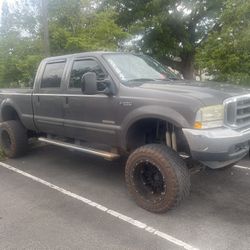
{"points": [[210, 117]]}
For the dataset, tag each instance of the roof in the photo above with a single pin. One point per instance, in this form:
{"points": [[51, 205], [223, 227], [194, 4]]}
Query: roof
{"points": [[93, 53]]}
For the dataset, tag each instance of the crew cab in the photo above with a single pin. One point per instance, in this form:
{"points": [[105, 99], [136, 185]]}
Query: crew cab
{"points": [[120, 104]]}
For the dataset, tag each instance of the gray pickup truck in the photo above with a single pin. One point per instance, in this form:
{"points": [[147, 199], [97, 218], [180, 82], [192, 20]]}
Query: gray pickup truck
{"points": [[121, 104]]}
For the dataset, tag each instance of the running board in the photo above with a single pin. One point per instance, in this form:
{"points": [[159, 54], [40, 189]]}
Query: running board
{"points": [[101, 153]]}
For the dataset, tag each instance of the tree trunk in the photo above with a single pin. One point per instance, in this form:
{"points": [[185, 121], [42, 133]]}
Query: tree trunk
{"points": [[187, 67], [46, 44]]}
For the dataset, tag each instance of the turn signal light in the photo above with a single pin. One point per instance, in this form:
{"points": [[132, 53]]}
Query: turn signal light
{"points": [[198, 125]]}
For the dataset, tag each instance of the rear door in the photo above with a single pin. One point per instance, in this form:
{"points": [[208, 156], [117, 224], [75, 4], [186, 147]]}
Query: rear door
{"points": [[48, 99]]}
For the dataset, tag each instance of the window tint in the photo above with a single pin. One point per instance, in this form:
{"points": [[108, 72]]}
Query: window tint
{"points": [[52, 75], [80, 68]]}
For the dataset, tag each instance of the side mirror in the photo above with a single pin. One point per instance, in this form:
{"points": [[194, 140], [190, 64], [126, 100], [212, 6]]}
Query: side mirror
{"points": [[89, 83]]}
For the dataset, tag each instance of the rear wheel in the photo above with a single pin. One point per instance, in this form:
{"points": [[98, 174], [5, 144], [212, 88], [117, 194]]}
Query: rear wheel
{"points": [[13, 139], [157, 178]]}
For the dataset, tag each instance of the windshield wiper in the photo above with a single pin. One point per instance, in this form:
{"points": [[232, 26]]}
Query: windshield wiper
{"points": [[164, 79], [174, 78], [141, 80]]}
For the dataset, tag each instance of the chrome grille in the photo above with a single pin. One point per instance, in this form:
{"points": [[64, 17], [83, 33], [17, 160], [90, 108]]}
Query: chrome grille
{"points": [[238, 112]]}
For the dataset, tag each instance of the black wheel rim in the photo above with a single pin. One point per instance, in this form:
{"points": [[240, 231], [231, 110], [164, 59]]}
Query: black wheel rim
{"points": [[149, 181], [6, 141]]}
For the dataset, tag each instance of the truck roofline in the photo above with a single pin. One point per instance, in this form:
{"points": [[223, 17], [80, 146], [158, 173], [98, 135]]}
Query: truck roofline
{"points": [[93, 53]]}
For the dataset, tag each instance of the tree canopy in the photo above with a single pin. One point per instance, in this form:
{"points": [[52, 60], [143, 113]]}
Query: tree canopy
{"points": [[226, 52], [74, 26], [188, 35], [169, 30]]}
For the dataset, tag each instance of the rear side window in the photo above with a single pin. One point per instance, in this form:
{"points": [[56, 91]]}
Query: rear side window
{"points": [[52, 75], [82, 67]]}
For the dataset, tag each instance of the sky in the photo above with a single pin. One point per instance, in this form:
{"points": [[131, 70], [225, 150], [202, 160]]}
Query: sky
{"points": [[1, 1], [9, 1]]}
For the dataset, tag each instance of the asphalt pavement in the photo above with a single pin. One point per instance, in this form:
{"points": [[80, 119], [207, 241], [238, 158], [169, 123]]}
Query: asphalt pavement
{"points": [[45, 204]]}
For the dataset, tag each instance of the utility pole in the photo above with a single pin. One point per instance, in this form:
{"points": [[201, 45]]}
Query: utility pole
{"points": [[46, 45]]}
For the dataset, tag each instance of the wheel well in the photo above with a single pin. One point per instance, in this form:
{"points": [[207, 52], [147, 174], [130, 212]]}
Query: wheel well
{"points": [[152, 130], [9, 113]]}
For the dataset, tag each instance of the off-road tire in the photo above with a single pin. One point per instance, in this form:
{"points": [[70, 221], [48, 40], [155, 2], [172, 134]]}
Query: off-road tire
{"points": [[13, 139], [173, 169]]}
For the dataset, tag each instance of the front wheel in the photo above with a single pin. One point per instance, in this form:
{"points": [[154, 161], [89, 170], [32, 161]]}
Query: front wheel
{"points": [[157, 178]]}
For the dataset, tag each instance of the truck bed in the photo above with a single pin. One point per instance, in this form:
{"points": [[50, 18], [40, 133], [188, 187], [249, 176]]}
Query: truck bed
{"points": [[17, 90], [21, 100]]}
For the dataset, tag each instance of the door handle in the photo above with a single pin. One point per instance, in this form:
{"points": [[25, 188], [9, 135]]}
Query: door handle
{"points": [[67, 100], [38, 100]]}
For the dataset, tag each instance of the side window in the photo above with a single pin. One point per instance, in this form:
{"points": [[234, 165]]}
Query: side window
{"points": [[52, 75], [80, 68]]}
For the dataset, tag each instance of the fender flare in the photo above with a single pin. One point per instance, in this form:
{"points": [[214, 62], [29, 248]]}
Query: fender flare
{"points": [[9, 103], [148, 112]]}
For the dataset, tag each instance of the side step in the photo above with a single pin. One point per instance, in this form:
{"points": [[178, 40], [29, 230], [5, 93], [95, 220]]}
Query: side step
{"points": [[101, 153]]}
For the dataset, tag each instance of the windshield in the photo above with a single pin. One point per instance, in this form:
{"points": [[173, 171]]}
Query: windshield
{"points": [[133, 68]]}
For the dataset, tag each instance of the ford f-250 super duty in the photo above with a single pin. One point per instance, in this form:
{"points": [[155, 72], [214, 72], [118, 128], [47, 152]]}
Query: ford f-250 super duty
{"points": [[121, 104]]}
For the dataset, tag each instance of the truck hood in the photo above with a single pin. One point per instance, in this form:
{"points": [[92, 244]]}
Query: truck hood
{"points": [[209, 93]]}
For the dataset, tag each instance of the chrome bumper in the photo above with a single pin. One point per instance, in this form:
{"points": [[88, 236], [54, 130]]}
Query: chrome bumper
{"points": [[219, 147]]}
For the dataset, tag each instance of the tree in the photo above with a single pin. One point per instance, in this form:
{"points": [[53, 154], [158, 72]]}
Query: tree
{"points": [[77, 26], [169, 30], [226, 53], [20, 46], [45, 27], [73, 26]]}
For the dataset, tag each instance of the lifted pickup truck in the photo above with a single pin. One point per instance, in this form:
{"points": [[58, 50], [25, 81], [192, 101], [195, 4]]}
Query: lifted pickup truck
{"points": [[120, 104]]}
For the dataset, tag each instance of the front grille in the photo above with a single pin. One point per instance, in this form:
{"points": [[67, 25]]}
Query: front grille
{"points": [[238, 111]]}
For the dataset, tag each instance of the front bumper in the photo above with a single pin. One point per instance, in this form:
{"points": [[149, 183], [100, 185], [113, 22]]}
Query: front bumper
{"points": [[219, 147]]}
